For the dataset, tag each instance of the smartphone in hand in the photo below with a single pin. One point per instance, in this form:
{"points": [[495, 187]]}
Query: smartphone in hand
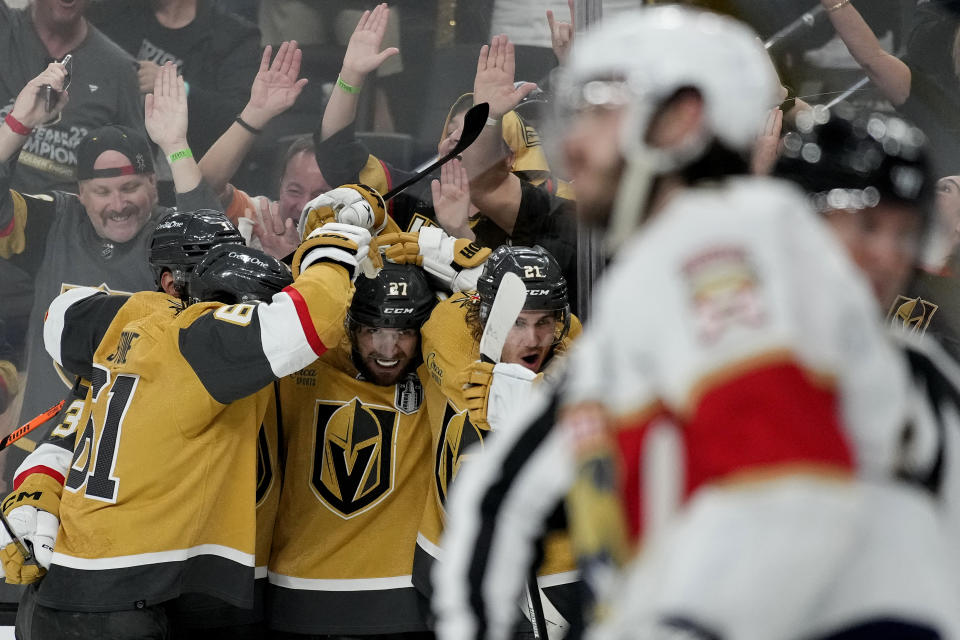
{"points": [[51, 95]]}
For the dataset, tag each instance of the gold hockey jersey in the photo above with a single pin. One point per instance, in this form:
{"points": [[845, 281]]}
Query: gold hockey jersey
{"points": [[161, 494], [357, 471], [448, 350]]}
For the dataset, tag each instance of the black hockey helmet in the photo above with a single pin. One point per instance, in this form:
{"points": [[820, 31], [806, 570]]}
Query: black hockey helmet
{"points": [[850, 159], [182, 238], [398, 298], [540, 272], [236, 273]]}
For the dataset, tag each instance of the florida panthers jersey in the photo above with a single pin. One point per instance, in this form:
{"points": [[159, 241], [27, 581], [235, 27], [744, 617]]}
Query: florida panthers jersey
{"points": [[734, 387], [357, 470], [161, 494]]}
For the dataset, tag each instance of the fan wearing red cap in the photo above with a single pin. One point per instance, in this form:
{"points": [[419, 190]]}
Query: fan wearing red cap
{"points": [[117, 185], [101, 235]]}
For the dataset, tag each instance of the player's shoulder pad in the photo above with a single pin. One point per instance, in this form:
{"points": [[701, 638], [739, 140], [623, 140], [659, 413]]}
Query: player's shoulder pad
{"points": [[60, 319]]}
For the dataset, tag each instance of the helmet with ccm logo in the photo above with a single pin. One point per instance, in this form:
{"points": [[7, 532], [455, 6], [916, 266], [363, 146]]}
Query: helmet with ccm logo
{"points": [[398, 298], [540, 272]]}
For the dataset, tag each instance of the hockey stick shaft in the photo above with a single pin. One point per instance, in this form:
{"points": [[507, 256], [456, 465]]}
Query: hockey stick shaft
{"points": [[537, 620], [33, 424], [21, 546], [473, 123]]}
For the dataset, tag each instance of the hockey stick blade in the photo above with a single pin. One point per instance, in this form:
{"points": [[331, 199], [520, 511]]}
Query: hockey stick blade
{"points": [[473, 123], [506, 307]]}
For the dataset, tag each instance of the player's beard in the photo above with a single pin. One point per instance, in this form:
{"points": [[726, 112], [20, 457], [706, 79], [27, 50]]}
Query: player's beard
{"points": [[368, 374], [595, 207]]}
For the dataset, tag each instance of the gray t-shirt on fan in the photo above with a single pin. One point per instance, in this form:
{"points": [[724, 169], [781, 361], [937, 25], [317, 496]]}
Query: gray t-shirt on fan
{"points": [[103, 90]]}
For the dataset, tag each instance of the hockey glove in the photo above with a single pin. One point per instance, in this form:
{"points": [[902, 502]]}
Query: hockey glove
{"points": [[494, 392], [343, 244], [32, 511], [456, 262], [355, 204]]}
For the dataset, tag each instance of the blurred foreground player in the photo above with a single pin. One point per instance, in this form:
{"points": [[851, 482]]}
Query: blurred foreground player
{"points": [[718, 419]]}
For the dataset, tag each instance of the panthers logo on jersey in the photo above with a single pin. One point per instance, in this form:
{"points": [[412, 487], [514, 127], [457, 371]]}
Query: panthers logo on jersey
{"points": [[457, 435], [353, 455]]}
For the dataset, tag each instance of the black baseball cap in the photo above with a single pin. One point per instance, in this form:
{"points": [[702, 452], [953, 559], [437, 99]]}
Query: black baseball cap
{"points": [[113, 137]]}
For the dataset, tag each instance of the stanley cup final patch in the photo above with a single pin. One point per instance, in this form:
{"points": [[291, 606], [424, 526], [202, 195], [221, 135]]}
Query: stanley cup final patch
{"points": [[912, 315], [409, 395], [724, 291]]}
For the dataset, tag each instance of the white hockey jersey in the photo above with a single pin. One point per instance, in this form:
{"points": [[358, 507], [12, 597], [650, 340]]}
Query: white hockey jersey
{"points": [[738, 375]]}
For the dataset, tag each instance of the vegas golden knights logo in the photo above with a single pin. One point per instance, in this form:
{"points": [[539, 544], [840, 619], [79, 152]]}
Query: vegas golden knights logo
{"points": [[457, 436], [264, 467], [353, 455], [912, 315], [126, 340]]}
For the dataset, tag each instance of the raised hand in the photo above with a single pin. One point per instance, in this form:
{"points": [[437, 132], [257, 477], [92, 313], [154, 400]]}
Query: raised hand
{"points": [[363, 50], [278, 236], [165, 113], [766, 147], [561, 34], [276, 86], [29, 109], [451, 200], [494, 80]]}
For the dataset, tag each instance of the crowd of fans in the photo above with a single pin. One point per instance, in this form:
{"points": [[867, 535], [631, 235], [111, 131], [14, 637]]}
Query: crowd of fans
{"points": [[289, 116]]}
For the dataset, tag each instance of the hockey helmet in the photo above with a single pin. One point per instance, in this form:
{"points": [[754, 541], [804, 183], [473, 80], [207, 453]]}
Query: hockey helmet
{"points": [[540, 272], [398, 298], [849, 159], [182, 238], [235, 273], [645, 56], [639, 61]]}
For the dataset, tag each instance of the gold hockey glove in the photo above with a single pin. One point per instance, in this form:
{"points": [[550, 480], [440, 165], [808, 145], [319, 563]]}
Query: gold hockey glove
{"points": [[355, 204], [344, 244], [31, 511], [455, 262]]}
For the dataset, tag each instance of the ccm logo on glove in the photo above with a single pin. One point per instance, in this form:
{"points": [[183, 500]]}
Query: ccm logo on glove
{"points": [[33, 496]]}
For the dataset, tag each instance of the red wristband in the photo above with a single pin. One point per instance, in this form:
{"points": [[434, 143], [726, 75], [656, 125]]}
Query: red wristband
{"points": [[16, 126]]}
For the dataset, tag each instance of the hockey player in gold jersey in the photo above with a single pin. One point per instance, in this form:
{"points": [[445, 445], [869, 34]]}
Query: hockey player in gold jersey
{"points": [[154, 513], [357, 470], [178, 243], [463, 400]]}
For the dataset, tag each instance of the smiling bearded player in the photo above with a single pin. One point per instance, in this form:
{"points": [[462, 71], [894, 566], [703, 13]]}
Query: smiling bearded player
{"points": [[357, 472]]}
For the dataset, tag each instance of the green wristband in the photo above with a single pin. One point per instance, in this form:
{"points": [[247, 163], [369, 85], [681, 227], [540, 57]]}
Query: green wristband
{"points": [[349, 88], [180, 155]]}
